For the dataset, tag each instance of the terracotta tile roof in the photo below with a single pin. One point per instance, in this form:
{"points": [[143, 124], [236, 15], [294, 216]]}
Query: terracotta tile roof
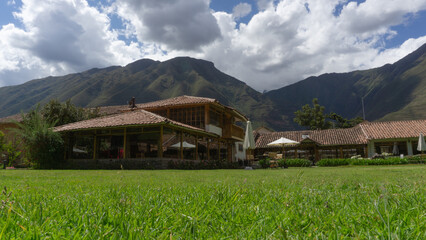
{"points": [[394, 129], [108, 110], [348, 136], [359, 134], [137, 117], [177, 101]]}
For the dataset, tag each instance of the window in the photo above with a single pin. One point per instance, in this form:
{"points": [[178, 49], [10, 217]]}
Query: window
{"points": [[193, 116]]}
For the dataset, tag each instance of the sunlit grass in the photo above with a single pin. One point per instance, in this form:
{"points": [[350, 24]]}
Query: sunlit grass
{"points": [[344, 202]]}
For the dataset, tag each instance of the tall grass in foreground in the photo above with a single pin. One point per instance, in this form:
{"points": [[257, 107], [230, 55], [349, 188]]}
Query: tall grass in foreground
{"points": [[355, 202]]}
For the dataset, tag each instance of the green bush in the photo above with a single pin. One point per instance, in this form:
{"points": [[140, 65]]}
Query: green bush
{"points": [[386, 161], [44, 147], [417, 159], [282, 163], [2, 142], [330, 162], [12, 152], [265, 163], [296, 162], [192, 165]]}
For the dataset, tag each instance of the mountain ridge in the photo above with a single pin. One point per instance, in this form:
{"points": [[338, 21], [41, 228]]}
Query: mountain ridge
{"points": [[391, 92]]}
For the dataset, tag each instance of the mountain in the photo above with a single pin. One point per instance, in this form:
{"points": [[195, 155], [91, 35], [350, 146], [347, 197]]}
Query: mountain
{"points": [[391, 92], [146, 80]]}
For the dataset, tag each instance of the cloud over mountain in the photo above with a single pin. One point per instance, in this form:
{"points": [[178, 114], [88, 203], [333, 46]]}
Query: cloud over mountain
{"points": [[283, 42]]}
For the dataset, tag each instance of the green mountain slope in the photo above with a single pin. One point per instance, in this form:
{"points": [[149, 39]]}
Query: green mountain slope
{"points": [[146, 80], [392, 92]]}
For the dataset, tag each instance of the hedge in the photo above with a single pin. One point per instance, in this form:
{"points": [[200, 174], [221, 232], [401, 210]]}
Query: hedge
{"points": [[297, 162], [330, 162]]}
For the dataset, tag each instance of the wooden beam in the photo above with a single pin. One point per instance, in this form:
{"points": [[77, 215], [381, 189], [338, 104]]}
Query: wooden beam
{"points": [[218, 146], [206, 115], [94, 147], [181, 147], [196, 147], [125, 143], [341, 152], [160, 143], [366, 151], [229, 151], [316, 153], [208, 149]]}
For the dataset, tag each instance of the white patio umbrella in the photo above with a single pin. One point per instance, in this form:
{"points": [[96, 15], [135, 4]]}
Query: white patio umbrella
{"points": [[77, 150], [282, 142], [421, 146], [395, 150], [249, 138], [184, 145]]}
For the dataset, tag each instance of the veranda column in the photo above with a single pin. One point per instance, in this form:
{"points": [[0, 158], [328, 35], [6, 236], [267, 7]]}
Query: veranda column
{"points": [[125, 143], [95, 140], [208, 149], [228, 152], [371, 149], [160, 143], [181, 147], [218, 144], [316, 153], [409, 148], [366, 151], [196, 147]]}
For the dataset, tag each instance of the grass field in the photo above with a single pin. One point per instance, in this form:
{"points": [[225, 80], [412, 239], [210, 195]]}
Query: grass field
{"points": [[385, 202]]}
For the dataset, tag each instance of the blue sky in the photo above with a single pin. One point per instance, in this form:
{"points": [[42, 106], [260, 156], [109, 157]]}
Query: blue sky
{"points": [[265, 43]]}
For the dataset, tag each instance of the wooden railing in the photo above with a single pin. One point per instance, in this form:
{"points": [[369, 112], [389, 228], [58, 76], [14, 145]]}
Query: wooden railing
{"points": [[233, 131], [237, 132]]}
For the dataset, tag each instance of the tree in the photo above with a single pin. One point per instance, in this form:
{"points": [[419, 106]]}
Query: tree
{"points": [[2, 144], [314, 117], [44, 147], [12, 151], [340, 122], [63, 113], [2, 141]]}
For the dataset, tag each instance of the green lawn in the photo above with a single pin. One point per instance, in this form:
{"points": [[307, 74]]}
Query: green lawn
{"points": [[385, 202]]}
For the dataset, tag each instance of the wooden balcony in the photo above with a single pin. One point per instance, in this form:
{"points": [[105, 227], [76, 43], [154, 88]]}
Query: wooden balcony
{"points": [[234, 132]]}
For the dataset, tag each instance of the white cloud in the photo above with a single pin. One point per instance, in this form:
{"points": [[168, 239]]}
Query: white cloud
{"points": [[178, 25], [292, 40], [284, 42], [241, 10], [59, 37]]}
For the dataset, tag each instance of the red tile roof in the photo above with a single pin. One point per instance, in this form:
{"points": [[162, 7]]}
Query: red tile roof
{"points": [[137, 117], [393, 129], [349, 136], [359, 134], [177, 101]]}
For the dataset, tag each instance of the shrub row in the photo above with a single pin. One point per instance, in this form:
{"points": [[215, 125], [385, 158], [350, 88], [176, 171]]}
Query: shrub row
{"points": [[266, 163], [386, 161], [365, 161], [297, 162], [330, 162], [192, 165]]}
